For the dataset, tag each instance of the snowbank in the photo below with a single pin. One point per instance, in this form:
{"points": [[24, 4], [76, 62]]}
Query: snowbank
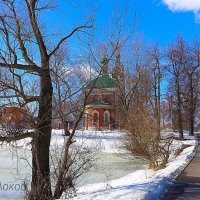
{"points": [[142, 184]]}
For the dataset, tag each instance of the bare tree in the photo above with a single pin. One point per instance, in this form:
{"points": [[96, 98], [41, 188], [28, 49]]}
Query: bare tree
{"points": [[191, 83], [25, 52], [143, 107], [156, 72], [176, 56]]}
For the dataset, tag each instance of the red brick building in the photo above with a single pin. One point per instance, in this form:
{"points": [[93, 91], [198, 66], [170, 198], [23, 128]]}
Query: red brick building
{"points": [[14, 115], [102, 101]]}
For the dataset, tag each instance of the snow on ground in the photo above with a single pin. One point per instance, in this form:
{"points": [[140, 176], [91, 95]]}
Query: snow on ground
{"points": [[142, 184], [15, 159], [106, 141], [109, 163]]}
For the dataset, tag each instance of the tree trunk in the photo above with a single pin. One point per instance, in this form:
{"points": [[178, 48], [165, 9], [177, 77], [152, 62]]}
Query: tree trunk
{"points": [[159, 99], [41, 185], [191, 106], [180, 121]]}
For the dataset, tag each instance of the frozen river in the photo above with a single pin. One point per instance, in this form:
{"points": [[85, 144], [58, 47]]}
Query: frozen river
{"points": [[14, 168], [110, 166]]}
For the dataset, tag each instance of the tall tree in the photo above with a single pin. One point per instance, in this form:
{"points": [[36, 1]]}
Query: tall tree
{"points": [[156, 77], [25, 51], [176, 57], [191, 83]]}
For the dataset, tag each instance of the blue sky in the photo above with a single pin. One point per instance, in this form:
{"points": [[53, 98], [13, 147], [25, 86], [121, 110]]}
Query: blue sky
{"points": [[160, 24], [157, 20]]}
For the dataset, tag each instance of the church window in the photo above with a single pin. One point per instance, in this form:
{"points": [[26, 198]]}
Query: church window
{"points": [[107, 116], [95, 118]]}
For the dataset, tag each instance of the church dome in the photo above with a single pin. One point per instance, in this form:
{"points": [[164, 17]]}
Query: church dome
{"points": [[103, 81]]}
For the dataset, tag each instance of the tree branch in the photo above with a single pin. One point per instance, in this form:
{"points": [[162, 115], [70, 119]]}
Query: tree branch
{"points": [[36, 30], [68, 36], [32, 68], [16, 137]]}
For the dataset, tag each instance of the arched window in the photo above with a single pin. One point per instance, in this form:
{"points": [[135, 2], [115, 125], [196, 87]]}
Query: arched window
{"points": [[86, 117], [107, 116], [95, 118], [21, 117]]}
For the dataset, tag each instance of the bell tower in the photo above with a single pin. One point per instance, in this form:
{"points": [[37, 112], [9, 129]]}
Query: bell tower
{"points": [[118, 75], [104, 65], [118, 70]]}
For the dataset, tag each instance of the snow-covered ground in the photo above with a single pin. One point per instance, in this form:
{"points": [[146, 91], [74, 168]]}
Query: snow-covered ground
{"points": [[106, 141], [121, 178], [15, 160], [143, 184], [110, 160]]}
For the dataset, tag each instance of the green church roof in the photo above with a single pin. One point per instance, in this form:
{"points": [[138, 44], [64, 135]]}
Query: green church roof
{"points": [[99, 103], [103, 81]]}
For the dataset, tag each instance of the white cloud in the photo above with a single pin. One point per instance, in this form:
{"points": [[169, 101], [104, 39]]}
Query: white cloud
{"points": [[86, 72], [184, 6]]}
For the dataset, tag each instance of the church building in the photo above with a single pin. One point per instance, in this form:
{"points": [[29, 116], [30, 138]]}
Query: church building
{"points": [[102, 98]]}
